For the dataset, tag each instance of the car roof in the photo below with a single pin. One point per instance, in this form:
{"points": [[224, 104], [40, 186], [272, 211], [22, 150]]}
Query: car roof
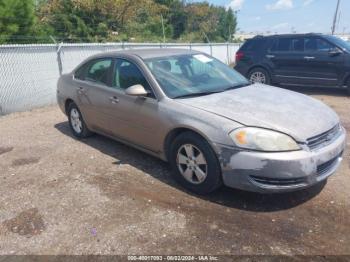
{"points": [[146, 53], [288, 35]]}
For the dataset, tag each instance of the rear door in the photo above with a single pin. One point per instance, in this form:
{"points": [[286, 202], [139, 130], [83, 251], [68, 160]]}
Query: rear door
{"points": [[93, 92], [286, 57]]}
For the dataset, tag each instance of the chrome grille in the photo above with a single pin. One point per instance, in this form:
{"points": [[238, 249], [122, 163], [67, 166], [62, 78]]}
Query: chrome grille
{"points": [[324, 138]]}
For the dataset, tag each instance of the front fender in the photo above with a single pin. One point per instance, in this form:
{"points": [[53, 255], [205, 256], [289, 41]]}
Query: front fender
{"points": [[215, 129]]}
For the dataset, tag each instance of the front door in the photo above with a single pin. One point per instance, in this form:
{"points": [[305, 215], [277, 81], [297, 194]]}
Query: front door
{"points": [[321, 67], [134, 119]]}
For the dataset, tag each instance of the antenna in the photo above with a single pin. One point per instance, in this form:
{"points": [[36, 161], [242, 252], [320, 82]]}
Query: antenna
{"points": [[335, 18]]}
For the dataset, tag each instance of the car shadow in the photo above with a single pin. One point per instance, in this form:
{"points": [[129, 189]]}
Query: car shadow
{"points": [[225, 196]]}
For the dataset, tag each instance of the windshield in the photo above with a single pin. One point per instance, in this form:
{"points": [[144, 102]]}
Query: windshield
{"points": [[339, 42], [190, 75]]}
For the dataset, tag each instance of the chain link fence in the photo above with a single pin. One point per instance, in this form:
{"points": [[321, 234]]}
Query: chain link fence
{"points": [[29, 73]]}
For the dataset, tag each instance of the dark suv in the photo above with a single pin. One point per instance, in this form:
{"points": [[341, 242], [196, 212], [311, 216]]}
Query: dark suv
{"points": [[303, 60]]}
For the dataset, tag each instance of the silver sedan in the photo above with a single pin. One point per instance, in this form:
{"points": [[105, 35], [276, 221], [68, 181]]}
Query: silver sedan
{"points": [[205, 119]]}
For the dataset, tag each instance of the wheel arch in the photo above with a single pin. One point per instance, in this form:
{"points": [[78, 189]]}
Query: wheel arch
{"points": [[67, 103], [175, 132], [266, 68], [346, 80]]}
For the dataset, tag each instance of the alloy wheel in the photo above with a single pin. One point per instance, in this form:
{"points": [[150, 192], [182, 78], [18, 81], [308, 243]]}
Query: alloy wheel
{"points": [[75, 118], [258, 77], [192, 164]]}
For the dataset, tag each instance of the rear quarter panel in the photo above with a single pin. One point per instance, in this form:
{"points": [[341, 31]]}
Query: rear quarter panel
{"points": [[65, 91], [255, 57]]}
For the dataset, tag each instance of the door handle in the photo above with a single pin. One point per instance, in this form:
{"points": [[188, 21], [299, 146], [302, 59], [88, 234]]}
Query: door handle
{"points": [[270, 56], [114, 99], [309, 57]]}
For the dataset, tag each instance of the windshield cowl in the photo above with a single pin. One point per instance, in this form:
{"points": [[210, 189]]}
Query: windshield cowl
{"points": [[197, 94]]}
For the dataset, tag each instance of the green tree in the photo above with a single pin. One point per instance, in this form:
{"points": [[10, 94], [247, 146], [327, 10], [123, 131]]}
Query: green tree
{"points": [[70, 22], [17, 19], [205, 22], [175, 16], [114, 20], [230, 24]]}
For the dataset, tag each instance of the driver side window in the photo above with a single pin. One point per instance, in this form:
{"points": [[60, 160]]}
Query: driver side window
{"points": [[317, 45], [127, 74], [324, 46]]}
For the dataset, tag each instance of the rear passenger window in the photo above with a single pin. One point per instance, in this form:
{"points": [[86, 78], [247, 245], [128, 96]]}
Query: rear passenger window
{"points": [[99, 70], [282, 45], [80, 72], [298, 45], [310, 44]]}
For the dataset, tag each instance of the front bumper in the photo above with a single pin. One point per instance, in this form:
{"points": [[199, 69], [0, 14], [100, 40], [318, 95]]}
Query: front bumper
{"points": [[279, 172]]}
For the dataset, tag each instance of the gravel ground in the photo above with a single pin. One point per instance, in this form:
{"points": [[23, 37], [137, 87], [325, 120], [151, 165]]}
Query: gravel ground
{"points": [[97, 196]]}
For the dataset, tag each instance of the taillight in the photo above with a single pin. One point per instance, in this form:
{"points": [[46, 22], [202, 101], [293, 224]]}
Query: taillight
{"points": [[239, 56]]}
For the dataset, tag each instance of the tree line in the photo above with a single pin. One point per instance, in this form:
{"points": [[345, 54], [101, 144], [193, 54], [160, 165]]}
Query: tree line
{"points": [[35, 21]]}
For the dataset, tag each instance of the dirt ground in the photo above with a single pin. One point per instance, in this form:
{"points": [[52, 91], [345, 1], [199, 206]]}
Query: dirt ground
{"points": [[59, 195]]}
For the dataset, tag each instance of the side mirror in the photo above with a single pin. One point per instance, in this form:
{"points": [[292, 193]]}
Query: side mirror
{"points": [[335, 52], [136, 90]]}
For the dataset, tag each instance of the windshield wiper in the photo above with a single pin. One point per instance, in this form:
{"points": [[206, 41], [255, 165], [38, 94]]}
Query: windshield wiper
{"points": [[238, 86], [199, 94]]}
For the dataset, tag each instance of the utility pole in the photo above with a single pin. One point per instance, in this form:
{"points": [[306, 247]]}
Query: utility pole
{"points": [[163, 28], [229, 34], [338, 21], [206, 37], [335, 18]]}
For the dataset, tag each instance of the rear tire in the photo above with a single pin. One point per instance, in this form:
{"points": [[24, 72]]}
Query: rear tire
{"points": [[259, 75], [348, 86], [77, 123], [194, 164]]}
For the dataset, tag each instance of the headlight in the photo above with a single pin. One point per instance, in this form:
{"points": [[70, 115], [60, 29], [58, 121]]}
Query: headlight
{"points": [[263, 140]]}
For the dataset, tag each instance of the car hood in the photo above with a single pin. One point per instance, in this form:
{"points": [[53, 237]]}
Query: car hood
{"points": [[259, 105]]}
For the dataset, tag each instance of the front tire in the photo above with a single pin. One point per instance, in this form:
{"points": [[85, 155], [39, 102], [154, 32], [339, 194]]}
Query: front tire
{"points": [[194, 164], [77, 123], [348, 86], [259, 75]]}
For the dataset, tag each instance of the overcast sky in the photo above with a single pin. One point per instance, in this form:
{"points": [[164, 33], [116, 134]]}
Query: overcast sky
{"points": [[283, 15]]}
